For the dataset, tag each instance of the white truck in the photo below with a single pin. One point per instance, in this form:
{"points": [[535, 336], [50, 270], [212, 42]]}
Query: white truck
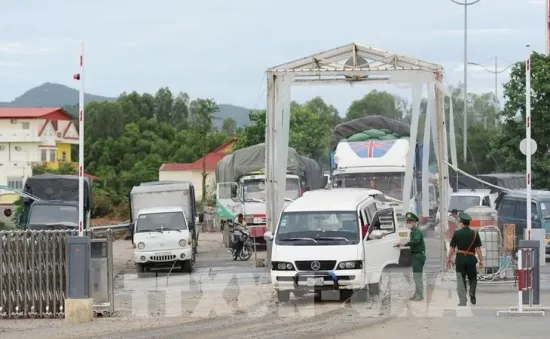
{"points": [[372, 152], [163, 229], [240, 188]]}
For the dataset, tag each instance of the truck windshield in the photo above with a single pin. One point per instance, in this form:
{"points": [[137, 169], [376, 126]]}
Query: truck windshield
{"points": [[254, 189], [53, 214], [391, 184], [161, 221], [318, 228], [463, 202]]}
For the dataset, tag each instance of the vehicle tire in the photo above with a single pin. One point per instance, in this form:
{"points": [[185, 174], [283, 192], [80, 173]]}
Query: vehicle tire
{"points": [[346, 295], [299, 294], [374, 289], [140, 268], [187, 266], [246, 253], [361, 295], [283, 296]]}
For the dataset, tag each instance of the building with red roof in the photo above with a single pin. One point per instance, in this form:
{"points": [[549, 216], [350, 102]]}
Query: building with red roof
{"points": [[34, 136], [193, 171]]}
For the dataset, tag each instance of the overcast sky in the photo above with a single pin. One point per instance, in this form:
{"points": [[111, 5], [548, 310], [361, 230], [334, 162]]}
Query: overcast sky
{"points": [[221, 48]]}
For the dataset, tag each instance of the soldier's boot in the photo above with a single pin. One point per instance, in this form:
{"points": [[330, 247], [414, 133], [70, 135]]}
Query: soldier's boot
{"points": [[473, 299]]}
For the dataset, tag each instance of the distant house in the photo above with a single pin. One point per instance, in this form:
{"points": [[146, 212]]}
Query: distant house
{"points": [[193, 171], [34, 136]]}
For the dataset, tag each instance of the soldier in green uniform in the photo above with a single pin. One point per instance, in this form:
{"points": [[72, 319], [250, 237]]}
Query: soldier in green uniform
{"points": [[418, 252], [465, 243]]}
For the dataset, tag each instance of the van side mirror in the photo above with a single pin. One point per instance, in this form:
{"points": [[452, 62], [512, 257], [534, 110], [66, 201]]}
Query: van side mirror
{"points": [[8, 212], [268, 236], [233, 191], [201, 217]]}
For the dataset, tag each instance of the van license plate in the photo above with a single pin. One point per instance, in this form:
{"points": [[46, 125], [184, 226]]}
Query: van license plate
{"points": [[163, 254], [315, 281]]}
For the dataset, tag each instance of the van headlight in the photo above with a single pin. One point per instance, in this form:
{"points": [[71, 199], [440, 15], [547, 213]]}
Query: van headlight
{"points": [[282, 266], [350, 265], [183, 243], [141, 245]]}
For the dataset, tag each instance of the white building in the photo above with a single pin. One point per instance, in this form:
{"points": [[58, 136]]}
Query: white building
{"points": [[33, 136]]}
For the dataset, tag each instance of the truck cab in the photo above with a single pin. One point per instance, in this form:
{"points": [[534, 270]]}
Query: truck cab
{"points": [[248, 196], [162, 239]]}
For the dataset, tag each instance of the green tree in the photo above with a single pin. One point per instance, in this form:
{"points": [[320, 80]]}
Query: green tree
{"points": [[203, 111], [310, 127], [505, 144], [229, 126], [164, 101], [128, 140], [378, 103]]}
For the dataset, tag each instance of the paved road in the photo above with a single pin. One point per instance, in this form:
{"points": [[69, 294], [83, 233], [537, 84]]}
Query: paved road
{"points": [[227, 299]]}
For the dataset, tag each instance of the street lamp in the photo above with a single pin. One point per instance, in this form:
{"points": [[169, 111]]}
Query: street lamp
{"points": [[466, 4], [496, 72]]}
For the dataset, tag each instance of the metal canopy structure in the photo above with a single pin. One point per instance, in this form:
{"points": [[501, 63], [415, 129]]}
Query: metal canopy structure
{"points": [[350, 64]]}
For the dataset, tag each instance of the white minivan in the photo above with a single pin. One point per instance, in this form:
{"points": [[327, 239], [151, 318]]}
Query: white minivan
{"points": [[162, 239], [332, 240]]}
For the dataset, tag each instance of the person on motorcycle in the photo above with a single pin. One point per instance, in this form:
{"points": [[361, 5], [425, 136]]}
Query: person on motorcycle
{"points": [[240, 225]]}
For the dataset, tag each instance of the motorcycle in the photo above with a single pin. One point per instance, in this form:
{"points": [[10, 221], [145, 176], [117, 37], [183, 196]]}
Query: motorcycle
{"points": [[246, 252]]}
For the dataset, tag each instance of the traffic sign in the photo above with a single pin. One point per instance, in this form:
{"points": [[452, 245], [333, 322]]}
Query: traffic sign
{"points": [[523, 146]]}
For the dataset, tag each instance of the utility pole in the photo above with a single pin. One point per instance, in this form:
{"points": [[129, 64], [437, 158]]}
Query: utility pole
{"points": [[466, 4]]}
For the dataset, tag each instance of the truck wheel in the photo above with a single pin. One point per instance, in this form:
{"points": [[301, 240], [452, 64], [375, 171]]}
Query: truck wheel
{"points": [[283, 296], [361, 295], [346, 294], [187, 266], [140, 268]]}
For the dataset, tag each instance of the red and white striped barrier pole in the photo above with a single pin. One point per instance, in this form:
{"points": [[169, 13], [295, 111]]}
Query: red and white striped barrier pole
{"points": [[525, 276], [520, 280], [80, 77]]}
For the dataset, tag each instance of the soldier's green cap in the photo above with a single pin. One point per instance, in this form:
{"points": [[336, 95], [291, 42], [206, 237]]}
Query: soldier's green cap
{"points": [[464, 217], [411, 217]]}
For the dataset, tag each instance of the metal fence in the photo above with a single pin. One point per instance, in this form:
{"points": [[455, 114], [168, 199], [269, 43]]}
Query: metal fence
{"points": [[33, 273]]}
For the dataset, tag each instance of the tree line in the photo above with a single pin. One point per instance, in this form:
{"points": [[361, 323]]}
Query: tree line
{"points": [[127, 140]]}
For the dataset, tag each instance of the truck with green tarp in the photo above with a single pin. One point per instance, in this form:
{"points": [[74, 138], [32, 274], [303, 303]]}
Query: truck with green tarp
{"points": [[240, 186]]}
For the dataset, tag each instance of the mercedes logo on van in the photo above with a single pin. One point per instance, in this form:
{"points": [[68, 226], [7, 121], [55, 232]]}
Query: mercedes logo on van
{"points": [[315, 265]]}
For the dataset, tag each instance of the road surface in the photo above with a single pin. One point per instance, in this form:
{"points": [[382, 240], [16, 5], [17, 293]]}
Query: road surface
{"points": [[228, 299]]}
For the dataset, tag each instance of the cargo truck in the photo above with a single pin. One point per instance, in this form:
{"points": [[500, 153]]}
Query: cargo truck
{"points": [[240, 187], [50, 202], [163, 225]]}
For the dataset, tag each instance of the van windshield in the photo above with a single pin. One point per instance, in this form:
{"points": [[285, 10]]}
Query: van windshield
{"points": [[318, 228], [463, 202], [164, 221]]}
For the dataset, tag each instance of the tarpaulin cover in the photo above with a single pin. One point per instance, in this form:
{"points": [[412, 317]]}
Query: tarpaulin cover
{"points": [[248, 160], [347, 129], [512, 181], [252, 159], [58, 187]]}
